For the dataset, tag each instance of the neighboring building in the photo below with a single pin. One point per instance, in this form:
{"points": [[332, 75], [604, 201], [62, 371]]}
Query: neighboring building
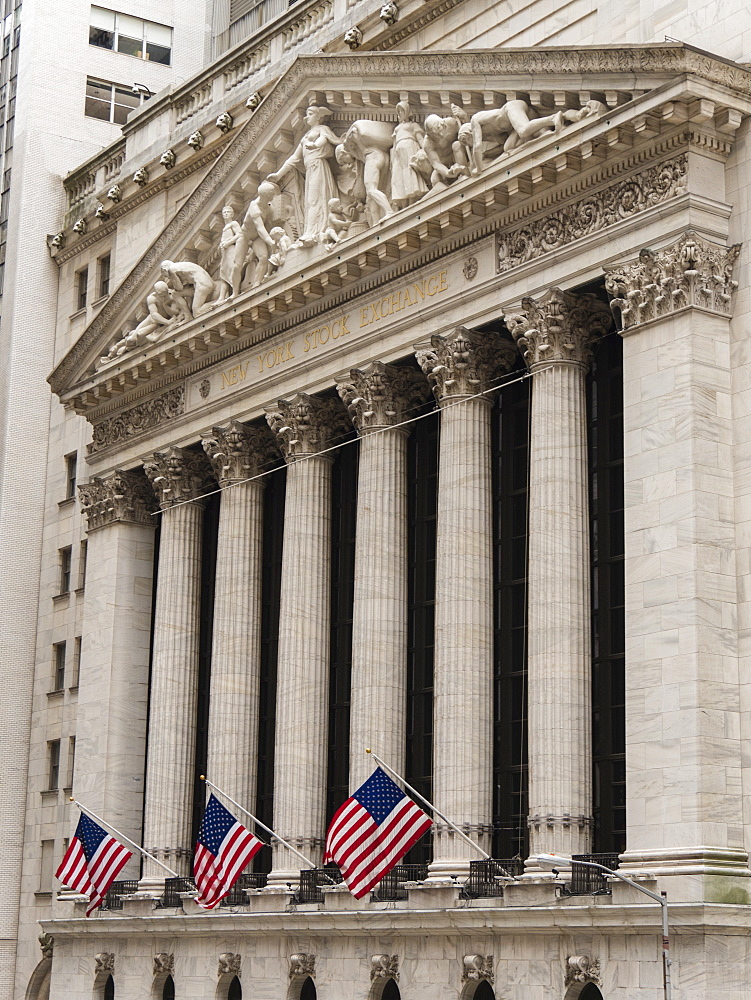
{"points": [[453, 467]]}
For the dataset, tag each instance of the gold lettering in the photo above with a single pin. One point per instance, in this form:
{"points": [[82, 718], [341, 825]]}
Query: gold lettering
{"points": [[433, 282], [407, 299], [444, 282], [395, 307], [343, 322], [420, 289], [374, 310], [383, 310], [320, 335], [259, 359], [364, 321], [289, 356]]}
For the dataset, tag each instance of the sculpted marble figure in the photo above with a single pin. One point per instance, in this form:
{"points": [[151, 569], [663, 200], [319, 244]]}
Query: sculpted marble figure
{"points": [[232, 252], [349, 181], [282, 242], [164, 311], [370, 142], [312, 158], [445, 154], [407, 184], [338, 223], [179, 276], [257, 243]]}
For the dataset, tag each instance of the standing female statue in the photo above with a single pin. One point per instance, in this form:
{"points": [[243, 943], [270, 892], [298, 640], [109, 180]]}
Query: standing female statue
{"points": [[312, 159], [407, 184]]}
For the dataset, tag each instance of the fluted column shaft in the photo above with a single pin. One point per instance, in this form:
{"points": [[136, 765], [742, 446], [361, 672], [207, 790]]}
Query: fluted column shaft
{"points": [[459, 366], [556, 335], [302, 693], [170, 767], [237, 453]]}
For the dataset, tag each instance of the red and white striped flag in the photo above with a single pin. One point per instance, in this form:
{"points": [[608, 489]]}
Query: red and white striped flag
{"points": [[223, 850], [92, 862], [372, 832]]}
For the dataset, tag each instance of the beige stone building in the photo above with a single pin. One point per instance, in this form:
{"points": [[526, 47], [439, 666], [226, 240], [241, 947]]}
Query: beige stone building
{"points": [[412, 415]]}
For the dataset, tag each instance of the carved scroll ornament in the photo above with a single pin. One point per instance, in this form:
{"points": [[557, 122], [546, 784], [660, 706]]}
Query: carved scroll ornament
{"points": [[558, 327], [381, 395], [464, 363], [123, 496]]}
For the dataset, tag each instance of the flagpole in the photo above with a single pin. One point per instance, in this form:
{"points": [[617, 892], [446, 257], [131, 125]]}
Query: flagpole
{"points": [[430, 805], [263, 826], [126, 839]]}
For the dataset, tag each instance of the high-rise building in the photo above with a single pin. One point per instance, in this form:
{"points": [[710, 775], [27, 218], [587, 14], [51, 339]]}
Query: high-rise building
{"points": [[398, 369]]}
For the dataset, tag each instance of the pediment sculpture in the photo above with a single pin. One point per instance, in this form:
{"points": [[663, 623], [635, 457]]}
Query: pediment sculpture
{"points": [[333, 186]]}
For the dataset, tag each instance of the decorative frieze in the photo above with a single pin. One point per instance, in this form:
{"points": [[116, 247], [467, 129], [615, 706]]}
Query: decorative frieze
{"points": [[104, 963], [463, 363], [164, 963], [582, 969], [302, 964], [384, 967], [689, 272], [558, 327], [137, 419], [477, 967], [123, 496], [305, 425], [177, 475], [592, 214], [238, 452], [380, 395], [229, 964]]}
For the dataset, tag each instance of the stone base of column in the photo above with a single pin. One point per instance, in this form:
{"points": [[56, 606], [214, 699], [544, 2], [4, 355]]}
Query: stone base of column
{"points": [[152, 885], [282, 878], [687, 861], [444, 872]]}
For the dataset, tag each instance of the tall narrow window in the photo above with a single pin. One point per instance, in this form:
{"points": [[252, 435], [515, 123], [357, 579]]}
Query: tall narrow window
{"points": [[65, 561], [104, 275], [82, 287], [71, 471], [58, 652], [76, 665], [83, 554], [53, 765], [71, 761]]}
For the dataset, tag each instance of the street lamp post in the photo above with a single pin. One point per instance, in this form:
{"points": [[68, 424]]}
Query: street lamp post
{"points": [[559, 860]]}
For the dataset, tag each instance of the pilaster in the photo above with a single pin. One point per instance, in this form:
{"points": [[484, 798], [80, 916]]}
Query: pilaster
{"points": [[304, 426], [379, 397], [683, 722], [237, 453], [459, 366], [556, 334], [115, 642], [179, 478]]}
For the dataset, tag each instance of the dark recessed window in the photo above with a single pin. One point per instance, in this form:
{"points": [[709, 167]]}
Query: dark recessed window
{"points": [[65, 561], [82, 287], [53, 765], [59, 660], [104, 275], [71, 471]]}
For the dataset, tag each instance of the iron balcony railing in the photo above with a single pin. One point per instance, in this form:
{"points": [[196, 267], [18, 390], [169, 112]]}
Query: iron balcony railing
{"points": [[587, 881], [250, 880], [172, 889], [486, 877], [391, 887], [114, 898], [312, 881]]}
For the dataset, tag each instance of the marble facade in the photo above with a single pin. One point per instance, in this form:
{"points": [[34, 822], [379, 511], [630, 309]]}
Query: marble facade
{"points": [[613, 207]]}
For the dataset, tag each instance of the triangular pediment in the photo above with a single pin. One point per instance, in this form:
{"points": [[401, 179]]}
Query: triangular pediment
{"points": [[591, 112]]}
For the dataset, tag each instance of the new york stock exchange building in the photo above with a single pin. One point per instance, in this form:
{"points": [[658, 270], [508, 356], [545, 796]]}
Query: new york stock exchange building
{"points": [[417, 419]]}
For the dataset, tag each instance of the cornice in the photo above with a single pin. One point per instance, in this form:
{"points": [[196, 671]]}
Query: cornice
{"points": [[624, 63]]}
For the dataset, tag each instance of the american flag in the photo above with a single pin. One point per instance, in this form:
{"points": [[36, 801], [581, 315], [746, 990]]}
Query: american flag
{"points": [[372, 832], [224, 848], [92, 862]]}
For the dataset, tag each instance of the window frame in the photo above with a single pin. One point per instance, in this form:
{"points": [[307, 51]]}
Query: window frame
{"points": [[82, 288], [104, 275], [53, 766], [71, 474], [59, 656], [123, 26], [65, 555], [111, 100]]}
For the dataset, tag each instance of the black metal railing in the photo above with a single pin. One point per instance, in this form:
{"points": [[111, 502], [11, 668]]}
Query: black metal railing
{"points": [[486, 877], [172, 889], [312, 881], [391, 886], [250, 880], [114, 898], [586, 881]]}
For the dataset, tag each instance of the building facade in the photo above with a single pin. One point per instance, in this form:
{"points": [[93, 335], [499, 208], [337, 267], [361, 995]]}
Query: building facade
{"points": [[410, 414]]}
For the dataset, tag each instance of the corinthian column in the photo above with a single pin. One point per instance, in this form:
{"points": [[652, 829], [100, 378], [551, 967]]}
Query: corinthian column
{"points": [[113, 690], [555, 334], [377, 397], [459, 366], [304, 425], [237, 453], [176, 476]]}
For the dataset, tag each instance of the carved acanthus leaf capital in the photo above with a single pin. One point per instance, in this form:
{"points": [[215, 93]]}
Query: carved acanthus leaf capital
{"points": [[302, 964], [123, 496], [559, 327], [381, 395], [689, 272], [464, 362], [305, 425], [238, 452], [177, 475]]}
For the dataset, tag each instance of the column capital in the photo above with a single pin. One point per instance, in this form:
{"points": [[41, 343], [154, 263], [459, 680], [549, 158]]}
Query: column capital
{"points": [[689, 272], [238, 452], [177, 475], [379, 395], [122, 496], [304, 425], [463, 362], [558, 327]]}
